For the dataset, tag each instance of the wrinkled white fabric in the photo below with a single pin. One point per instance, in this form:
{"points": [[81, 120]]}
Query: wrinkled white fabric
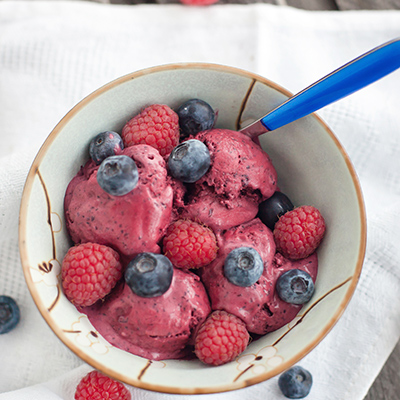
{"points": [[52, 54]]}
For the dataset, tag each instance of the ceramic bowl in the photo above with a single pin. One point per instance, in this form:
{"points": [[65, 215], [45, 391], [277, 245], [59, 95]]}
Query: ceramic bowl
{"points": [[312, 167]]}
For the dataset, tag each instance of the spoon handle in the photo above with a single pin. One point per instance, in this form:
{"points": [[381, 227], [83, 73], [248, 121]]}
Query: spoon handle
{"points": [[340, 83]]}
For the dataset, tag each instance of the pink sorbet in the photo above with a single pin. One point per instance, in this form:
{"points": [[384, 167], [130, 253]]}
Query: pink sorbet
{"points": [[258, 305]]}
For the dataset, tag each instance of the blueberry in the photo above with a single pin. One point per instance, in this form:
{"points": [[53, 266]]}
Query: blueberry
{"points": [[149, 274], [271, 209], [195, 115], [189, 161], [243, 266], [295, 383], [9, 314], [104, 145], [295, 286], [118, 175]]}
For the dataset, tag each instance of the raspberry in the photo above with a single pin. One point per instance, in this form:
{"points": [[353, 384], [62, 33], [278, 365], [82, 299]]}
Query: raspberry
{"points": [[189, 244], [221, 338], [198, 2], [9, 314], [299, 232], [157, 126], [96, 386], [89, 272]]}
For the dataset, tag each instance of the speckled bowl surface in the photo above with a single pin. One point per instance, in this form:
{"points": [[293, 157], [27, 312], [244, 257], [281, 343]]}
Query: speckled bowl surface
{"points": [[312, 168]]}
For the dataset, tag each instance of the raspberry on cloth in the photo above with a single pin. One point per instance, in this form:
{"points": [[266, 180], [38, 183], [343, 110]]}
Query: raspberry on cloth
{"points": [[89, 272], [299, 232]]}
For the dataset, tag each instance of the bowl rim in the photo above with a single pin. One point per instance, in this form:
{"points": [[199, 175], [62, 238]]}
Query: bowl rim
{"points": [[150, 386]]}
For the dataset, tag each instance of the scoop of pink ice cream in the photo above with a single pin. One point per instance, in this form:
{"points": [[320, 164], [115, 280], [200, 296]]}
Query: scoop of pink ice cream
{"points": [[156, 328], [258, 305], [241, 175], [218, 214], [130, 224]]}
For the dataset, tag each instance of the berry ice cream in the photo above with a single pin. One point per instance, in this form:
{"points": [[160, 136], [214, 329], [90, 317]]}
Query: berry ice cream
{"points": [[92, 215]]}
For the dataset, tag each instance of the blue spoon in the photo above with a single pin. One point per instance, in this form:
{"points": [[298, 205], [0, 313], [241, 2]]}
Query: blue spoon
{"points": [[356, 74]]}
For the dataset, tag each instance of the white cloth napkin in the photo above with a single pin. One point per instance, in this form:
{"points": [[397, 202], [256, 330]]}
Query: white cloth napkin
{"points": [[52, 54]]}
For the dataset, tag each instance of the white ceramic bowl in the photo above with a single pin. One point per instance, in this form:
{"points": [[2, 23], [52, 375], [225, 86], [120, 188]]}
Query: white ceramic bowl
{"points": [[312, 169]]}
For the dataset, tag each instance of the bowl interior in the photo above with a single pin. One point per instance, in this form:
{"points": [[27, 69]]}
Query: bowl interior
{"points": [[312, 169]]}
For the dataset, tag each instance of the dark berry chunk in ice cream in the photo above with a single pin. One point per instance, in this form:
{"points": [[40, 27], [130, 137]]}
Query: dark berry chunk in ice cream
{"points": [[9, 314], [104, 145], [295, 286], [149, 274], [195, 115], [295, 383], [243, 266], [274, 207], [221, 338], [189, 161], [118, 175]]}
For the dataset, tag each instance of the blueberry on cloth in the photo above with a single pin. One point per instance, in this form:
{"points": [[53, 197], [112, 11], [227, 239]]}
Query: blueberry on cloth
{"points": [[104, 145], [195, 115], [243, 266], [271, 209], [295, 286], [149, 274], [295, 383], [118, 175], [9, 314], [189, 161]]}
